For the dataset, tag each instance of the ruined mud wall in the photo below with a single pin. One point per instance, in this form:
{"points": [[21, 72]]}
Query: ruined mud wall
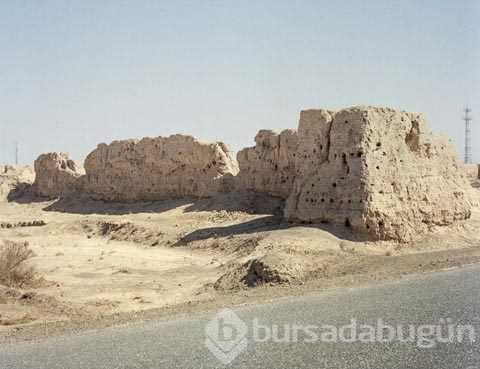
{"points": [[156, 168], [55, 173], [270, 165], [14, 181], [379, 171], [473, 171]]}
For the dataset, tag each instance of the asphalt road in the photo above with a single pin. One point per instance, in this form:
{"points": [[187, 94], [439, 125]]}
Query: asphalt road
{"points": [[181, 343]]}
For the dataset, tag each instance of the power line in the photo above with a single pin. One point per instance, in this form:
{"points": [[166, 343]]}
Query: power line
{"points": [[468, 143]]}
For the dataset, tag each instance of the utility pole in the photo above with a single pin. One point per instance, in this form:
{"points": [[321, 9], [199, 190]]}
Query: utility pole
{"points": [[16, 152], [468, 143]]}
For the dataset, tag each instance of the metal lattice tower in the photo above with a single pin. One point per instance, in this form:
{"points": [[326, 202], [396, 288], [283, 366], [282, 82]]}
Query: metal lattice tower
{"points": [[468, 143]]}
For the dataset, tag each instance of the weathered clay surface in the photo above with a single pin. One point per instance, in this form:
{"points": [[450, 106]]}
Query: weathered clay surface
{"points": [[55, 173], [156, 168], [15, 180], [270, 165], [379, 171]]}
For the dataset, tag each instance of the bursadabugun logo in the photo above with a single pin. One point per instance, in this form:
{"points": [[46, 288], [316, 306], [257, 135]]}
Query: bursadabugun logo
{"points": [[226, 336]]}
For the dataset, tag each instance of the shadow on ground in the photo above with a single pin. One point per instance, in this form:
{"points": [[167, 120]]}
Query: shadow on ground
{"points": [[23, 194], [88, 206], [246, 202], [266, 224]]}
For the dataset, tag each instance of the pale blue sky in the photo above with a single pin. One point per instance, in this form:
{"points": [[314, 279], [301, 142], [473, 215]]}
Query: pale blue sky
{"points": [[76, 73]]}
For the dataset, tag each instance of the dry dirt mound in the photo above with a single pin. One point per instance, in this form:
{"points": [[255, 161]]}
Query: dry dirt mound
{"points": [[237, 246], [124, 231], [26, 306], [269, 269]]}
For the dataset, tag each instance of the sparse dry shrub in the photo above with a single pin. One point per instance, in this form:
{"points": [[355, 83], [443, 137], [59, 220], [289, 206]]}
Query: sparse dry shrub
{"points": [[14, 272]]}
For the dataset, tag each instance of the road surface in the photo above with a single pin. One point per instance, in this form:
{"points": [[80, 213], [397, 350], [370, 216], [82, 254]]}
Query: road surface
{"points": [[180, 343]]}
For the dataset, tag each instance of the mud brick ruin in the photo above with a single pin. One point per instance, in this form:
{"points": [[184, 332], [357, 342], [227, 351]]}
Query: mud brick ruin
{"points": [[378, 171], [157, 168]]}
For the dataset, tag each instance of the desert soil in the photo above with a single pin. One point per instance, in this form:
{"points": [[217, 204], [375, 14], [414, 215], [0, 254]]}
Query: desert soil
{"points": [[100, 264]]}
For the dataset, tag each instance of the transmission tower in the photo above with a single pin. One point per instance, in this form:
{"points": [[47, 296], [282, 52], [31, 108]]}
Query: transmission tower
{"points": [[16, 153], [468, 143]]}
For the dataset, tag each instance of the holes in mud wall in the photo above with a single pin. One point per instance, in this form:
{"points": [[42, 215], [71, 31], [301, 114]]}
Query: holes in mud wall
{"points": [[412, 139], [379, 144], [321, 147], [347, 223], [378, 167], [334, 184], [345, 163], [359, 154], [332, 201]]}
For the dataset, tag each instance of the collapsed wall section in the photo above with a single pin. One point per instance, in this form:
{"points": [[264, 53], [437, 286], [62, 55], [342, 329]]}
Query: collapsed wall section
{"points": [[157, 168], [54, 173]]}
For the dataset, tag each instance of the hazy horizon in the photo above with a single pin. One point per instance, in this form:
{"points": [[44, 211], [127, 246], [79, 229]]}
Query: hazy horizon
{"points": [[74, 74]]}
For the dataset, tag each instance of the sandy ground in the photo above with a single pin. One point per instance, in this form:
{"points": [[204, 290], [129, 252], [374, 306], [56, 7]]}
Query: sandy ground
{"points": [[103, 263]]}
